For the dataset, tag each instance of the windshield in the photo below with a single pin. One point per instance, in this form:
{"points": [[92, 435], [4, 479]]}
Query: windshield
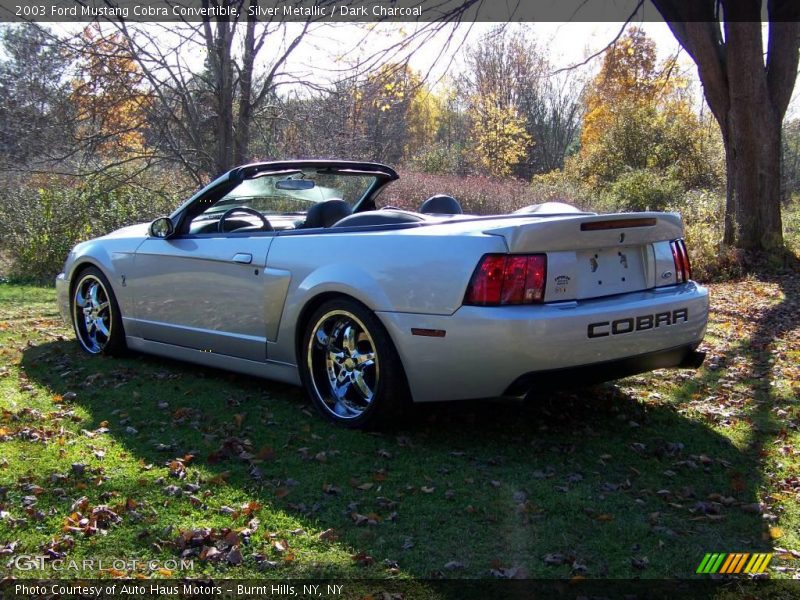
{"points": [[293, 192]]}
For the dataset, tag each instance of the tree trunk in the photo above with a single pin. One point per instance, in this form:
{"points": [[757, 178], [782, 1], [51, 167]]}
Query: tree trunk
{"points": [[225, 143], [729, 235], [752, 142], [752, 148], [242, 139], [748, 96]]}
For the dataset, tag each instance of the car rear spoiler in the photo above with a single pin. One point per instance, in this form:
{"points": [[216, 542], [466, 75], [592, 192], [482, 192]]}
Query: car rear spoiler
{"points": [[582, 232]]}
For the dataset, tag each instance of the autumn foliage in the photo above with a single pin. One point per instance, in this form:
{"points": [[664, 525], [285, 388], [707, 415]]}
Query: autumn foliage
{"points": [[110, 95], [639, 118]]}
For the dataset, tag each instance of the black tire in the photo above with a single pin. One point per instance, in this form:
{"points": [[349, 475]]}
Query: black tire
{"points": [[350, 368], [96, 317]]}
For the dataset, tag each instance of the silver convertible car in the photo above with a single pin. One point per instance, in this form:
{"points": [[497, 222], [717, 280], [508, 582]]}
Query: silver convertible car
{"points": [[297, 271]]}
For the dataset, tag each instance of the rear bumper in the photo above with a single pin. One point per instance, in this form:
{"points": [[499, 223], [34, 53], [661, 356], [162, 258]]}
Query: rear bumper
{"points": [[685, 357], [486, 351]]}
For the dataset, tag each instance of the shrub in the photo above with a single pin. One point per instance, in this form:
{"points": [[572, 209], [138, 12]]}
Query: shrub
{"points": [[791, 224], [643, 189], [439, 159], [557, 186], [477, 195], [703, 214], [46, 216]]}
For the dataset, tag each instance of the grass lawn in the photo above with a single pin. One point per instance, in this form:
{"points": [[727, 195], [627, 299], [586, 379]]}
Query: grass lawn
{"points": [[147, 459]]}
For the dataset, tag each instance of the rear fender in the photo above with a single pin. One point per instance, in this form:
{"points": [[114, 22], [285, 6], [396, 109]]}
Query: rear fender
{"points": [[340, 279]]}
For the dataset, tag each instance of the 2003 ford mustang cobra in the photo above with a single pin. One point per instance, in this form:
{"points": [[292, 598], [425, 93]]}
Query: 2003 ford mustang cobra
{"points": [[295, 271]]}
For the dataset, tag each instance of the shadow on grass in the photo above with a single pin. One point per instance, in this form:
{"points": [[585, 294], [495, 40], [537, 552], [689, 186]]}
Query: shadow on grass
{"points": [[589, 482]]}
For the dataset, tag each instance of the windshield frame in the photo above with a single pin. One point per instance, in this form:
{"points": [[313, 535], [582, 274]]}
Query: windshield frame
{"points": [[224, 184]]}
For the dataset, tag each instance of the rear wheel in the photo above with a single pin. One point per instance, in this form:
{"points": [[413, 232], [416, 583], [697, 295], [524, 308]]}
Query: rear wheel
{"points": [[95, 314], [350, 367]]}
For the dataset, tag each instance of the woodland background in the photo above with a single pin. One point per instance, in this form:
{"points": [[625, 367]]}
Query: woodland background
{"points": [[110, 126]]}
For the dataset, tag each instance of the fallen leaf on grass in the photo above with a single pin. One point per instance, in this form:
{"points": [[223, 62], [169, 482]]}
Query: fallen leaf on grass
{"points": [[210, 553], [508, 573], [331, 489], [363, 559], [604, 517], [248, 508], [234, 556], [554, 559], [220, 478], [266, 453]]}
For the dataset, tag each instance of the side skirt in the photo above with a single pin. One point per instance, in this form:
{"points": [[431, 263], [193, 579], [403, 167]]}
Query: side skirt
{"points": [[278, 371]]}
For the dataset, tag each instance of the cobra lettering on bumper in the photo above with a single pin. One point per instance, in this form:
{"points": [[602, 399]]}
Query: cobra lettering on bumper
{"points": [[638, 323]]}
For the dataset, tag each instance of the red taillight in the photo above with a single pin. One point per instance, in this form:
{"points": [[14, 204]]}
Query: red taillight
{"points": [[508, 279], [486, 284], [683, 270]]}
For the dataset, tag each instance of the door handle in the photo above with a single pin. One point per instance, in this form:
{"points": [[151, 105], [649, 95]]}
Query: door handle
{"points": [[243, 258]]}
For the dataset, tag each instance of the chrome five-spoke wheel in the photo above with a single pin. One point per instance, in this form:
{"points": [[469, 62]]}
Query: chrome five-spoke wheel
{"points": [[343, 364], [350, 366], [94, 313]]}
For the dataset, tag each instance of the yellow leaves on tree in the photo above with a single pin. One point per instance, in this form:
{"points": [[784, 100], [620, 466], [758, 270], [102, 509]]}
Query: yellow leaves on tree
{"points": [[499, 137], [109, 94], [422, 119], [638, 118]]}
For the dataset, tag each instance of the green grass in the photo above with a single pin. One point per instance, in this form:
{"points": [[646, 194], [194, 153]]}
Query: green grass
{"points": [[637, 479]]}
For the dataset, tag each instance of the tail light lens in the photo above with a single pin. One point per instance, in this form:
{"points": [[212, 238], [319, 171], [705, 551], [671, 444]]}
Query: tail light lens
{"points": [[508, 279], [683, 270]]}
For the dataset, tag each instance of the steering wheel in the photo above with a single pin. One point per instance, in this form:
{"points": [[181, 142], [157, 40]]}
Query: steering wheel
{"points": [[243, 209]]}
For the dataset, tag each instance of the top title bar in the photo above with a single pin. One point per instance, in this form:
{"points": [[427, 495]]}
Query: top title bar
{"points": [[142, 11]]}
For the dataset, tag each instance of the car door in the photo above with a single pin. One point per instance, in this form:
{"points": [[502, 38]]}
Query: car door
{"points": [[205, 292]]}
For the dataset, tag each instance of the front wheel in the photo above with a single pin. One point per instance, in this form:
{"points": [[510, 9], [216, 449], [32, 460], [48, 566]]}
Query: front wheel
{"points": [[95, 314], [350, 367]]}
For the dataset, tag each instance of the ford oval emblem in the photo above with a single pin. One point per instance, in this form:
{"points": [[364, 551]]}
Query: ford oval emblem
{"points": [[666, 275]]}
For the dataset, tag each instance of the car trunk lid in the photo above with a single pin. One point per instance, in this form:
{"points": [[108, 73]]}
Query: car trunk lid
{"points": [[590, 256]]}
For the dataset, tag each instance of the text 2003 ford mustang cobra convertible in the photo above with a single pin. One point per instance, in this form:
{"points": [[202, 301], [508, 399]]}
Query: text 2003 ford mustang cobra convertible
{"points": [[294, 271]]}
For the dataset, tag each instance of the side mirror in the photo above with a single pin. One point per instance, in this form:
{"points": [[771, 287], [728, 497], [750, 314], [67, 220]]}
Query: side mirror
{"points": [[162, 228]]}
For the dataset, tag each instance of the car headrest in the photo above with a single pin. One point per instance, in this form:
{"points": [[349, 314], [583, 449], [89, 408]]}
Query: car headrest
{"points": [[441, 204], [325, 214]]}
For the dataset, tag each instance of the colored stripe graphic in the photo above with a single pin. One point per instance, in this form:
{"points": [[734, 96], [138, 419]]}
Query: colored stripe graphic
{"points": [[763, 566], [737, 562], [716, 564], [711, 562], [729, 562], [704, 563], [737, 568], [756, 558], [759, 563]]}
